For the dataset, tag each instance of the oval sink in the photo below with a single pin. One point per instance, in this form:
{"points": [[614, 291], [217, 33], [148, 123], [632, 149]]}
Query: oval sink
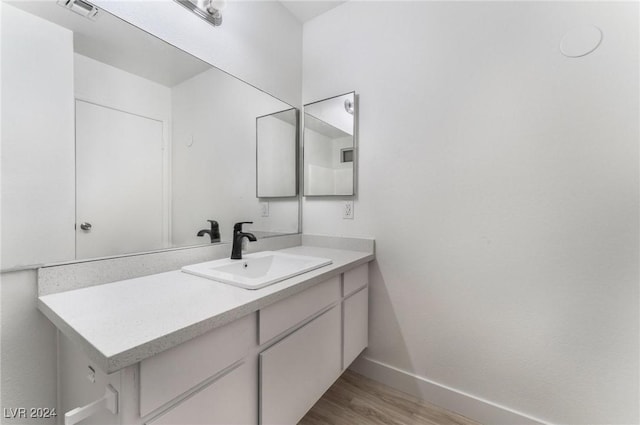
{"points": [[256, 270]]}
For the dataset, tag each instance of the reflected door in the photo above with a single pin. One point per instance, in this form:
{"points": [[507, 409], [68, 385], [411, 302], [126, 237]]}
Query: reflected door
{"points": [[119, 182]]}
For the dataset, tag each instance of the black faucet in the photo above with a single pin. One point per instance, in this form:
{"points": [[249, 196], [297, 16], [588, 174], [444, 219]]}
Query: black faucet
{"points": [[214, 233], [238, 234]]}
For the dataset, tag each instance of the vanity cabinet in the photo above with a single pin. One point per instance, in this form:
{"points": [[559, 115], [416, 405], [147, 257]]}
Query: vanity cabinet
{"points": [[355, 313], [212, 379], [267, 367]]}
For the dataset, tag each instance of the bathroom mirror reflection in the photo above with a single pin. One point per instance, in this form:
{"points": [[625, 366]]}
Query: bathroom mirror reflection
{"points": [[277, 154], [116, 142], [329, 146]]}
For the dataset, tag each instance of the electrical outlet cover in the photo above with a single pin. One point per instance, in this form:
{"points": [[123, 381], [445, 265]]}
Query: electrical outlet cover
{"points": [[264, 209], [347, 212]]}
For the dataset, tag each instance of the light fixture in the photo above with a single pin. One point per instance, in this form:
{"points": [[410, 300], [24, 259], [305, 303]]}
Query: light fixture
{"points": [[348, 106], [209, 10], [81, 7]]}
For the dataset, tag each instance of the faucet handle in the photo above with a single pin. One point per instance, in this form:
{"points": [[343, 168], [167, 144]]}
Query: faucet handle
{"points": [[215, 231], [238, 226]]}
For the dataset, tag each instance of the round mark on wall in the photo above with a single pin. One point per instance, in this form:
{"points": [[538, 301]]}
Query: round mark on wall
{"points": [[581, 41]]}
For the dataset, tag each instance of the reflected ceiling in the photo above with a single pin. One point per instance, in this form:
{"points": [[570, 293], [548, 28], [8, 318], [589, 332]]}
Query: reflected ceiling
{"points": [[114, 41]]}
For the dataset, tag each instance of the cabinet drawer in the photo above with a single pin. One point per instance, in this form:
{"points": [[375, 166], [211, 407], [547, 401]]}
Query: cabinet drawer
{"points": [[355, 279], [230, 400], [295, 372], [356, 325], [170, 373], [278, 317]]}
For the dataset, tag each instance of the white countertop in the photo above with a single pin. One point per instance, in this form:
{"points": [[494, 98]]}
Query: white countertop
{"points": [[121, 323]]}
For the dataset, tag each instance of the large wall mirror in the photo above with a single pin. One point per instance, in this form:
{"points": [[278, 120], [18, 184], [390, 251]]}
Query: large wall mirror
{"points": [[330, 146], [115, 142]]}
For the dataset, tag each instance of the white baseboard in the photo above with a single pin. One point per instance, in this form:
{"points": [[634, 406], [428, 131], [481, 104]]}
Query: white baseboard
{"points": [[467, 405]]}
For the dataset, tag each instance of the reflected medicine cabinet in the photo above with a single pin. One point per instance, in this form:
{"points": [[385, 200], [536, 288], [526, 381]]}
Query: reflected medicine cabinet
{"points": [[330, 153], [277, 154]]}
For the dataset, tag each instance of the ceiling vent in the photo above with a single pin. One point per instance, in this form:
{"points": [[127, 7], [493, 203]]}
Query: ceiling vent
{"points": [[80, 7]]}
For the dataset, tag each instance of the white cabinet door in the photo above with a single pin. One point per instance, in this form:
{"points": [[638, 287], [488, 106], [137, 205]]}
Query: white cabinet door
{"points": [[295, 372], [283, 315], [230, 400], [356, 325], [355, 279], [165, 376]]}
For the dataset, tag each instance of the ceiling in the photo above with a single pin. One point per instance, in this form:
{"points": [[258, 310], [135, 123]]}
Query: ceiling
{"points": [[305, 10]]}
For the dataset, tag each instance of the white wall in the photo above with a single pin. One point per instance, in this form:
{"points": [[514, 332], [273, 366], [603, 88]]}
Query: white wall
{"points": [[500, 180], [34, 174], [260, 42], [28, 349], [37, 141]]}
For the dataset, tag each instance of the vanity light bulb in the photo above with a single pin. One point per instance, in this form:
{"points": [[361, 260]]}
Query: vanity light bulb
{"points": [[348, 106], [203, 4], [218, 4], [209, 10]]}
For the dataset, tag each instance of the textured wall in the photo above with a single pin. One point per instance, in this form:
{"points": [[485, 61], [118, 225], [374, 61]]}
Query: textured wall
{"points": [[500, 180], [28, 349]]}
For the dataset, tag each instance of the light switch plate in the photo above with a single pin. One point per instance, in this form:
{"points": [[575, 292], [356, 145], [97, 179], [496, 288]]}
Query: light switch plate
{"points": [[264, 209]]}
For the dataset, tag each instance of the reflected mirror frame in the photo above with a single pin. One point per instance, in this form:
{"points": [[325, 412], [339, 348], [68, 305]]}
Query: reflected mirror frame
{"points": [[297, 155], [355, 143]]}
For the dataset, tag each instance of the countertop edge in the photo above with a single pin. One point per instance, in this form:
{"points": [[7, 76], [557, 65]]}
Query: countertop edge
{"points": [[116, 362], [92, 352]]}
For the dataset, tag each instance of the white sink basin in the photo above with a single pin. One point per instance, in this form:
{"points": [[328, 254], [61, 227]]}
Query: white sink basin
{"points": [[256, 270]]}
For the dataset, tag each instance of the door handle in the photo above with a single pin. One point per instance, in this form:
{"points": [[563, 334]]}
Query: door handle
{"points": [[85, 226]]}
